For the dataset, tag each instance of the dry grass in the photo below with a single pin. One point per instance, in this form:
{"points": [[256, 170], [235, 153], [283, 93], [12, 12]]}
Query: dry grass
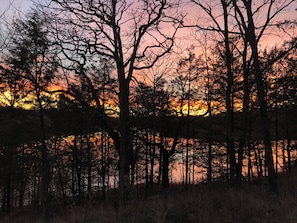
{"points": [[215, 203]]}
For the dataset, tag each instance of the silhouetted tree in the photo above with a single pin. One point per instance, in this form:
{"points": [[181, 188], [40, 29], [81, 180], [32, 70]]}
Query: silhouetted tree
{"points": [[249, 35], [33, 61], [281, 88], [246, 12], [130, 34], [151, 104], [186, 88], [224, 30]]}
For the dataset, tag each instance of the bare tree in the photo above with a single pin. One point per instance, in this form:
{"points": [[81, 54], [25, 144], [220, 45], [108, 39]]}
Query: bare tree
{"points": [[240, 22], [129, 33], [247, 11], [215, 12], [185, 89]]}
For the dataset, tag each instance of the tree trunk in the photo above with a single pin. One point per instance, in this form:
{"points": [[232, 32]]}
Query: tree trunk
{"points": [[261, 99], [152, 159], [61, 184], [45, 171], [8, 175], [78, 169], [165, 167], [103, 162], [257, 161], [250, 170], [245, 114], [89, 163], [125, 139], [23, 179], [166, 155], [160, 165], [187, 180], [146, 163], [288, 139], [229, 95]]}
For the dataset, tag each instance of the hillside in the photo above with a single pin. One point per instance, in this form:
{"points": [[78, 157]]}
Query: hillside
{"points": [[19, 126]]}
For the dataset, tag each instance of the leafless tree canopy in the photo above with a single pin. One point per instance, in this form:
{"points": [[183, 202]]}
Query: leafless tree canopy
{"points": [[136, 33]]}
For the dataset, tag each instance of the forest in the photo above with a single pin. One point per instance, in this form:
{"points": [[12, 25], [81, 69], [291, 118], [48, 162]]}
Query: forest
{"points": [[110, 102]]}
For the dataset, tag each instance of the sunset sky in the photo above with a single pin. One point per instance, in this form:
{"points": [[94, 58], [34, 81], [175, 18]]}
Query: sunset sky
{"points": [[23, 6]]}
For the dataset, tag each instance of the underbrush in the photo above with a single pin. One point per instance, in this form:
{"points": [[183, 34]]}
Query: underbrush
{"points": [[205, 203]]}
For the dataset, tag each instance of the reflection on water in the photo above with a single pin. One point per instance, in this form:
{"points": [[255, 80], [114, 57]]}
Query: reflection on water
{"points": [[253, 160], [83, 164]]}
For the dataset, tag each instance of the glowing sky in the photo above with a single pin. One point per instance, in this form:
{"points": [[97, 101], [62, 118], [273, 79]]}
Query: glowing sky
{"points": [[20, 7]]}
